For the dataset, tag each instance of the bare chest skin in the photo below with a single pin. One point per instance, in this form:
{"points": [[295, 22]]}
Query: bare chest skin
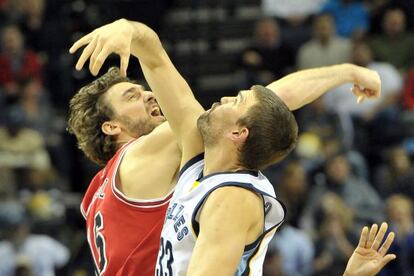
{"points": [[150, 167]]}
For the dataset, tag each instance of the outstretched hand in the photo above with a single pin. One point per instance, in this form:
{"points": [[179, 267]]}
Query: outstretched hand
{"points": [[100, 43], [369, 258]]}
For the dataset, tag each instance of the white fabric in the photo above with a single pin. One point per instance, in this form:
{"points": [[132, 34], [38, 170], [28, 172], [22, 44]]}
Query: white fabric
{"points": [[314, 54], [287, 8], [178, 230], [42, 252]]}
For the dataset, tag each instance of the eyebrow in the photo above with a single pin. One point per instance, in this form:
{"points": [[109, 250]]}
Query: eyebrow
{"points": [[131, 89]]}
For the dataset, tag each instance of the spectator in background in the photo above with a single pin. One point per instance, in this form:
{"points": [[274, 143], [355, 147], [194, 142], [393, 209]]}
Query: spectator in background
{"points": [[335, 242], [35, 104], [357, 193], [326, 123], [269, 57], [42, 195], [21, 147], [16, 62], [325, 48], [293, 8], [33, 25], [408, 91], [397, 175], [351, 17], [295, 249], [376, 122], [41, 253], [272, 265], [394, 45], [342, 100], [294, 17], [293, 190], [400, 213], [378, 8]]}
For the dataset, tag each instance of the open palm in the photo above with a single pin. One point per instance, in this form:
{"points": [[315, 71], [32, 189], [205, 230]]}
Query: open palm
{"points": [[369, 258]]}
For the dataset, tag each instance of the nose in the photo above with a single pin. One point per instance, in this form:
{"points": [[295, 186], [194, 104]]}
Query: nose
{"points": [[224, 100], [148, 96]]}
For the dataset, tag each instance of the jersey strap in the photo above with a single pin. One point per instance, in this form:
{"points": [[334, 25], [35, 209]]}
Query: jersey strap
{"points": [[269, 209]]}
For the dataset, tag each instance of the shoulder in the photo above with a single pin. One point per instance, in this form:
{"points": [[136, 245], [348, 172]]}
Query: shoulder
{"points": [[161, 137], [233, 199]]}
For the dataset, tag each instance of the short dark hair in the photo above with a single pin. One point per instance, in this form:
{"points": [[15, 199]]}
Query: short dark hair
{"points": [[88, 111], [272, 128]]}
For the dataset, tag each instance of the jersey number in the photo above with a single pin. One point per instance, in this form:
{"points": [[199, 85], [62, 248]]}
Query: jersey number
{"points": [[100, 243], [165, 252]]}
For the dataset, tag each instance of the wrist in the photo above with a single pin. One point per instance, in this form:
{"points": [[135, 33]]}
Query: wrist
{"points": [[349, 72]]}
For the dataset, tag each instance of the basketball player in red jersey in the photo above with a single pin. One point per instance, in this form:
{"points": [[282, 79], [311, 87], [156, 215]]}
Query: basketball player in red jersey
{"points": [[119, 124]]}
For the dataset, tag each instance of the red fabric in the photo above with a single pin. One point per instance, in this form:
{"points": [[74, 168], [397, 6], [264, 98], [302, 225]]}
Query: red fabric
{"points": [[131, 231], [30, 67], [408, 93]]}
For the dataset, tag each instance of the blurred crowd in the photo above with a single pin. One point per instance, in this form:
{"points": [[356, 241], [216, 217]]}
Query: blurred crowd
{"points": [[352, 166]]}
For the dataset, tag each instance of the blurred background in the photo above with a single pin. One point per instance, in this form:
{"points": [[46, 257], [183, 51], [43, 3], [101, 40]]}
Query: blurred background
{"points": [[352, 166]]}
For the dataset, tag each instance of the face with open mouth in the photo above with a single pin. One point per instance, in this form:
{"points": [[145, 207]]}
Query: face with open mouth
{"points": [[134, 107]]}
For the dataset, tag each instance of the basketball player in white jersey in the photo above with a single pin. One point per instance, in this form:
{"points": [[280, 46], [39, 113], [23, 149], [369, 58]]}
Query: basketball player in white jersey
{"points": [[238, 224]]}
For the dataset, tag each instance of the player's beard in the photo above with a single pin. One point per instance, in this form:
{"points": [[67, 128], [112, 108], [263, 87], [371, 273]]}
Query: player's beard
{"points": [[138, 128], [207, 130]]}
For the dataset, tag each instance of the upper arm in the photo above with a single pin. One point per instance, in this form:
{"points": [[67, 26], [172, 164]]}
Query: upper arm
{"points": [[178, 105], [228, 220]]}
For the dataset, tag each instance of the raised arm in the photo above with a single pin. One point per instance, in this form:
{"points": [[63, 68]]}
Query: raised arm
{"points": [[172, 92], [303, 87]]}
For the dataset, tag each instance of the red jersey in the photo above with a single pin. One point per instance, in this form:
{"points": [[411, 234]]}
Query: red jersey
{"points": [[123, 233]]}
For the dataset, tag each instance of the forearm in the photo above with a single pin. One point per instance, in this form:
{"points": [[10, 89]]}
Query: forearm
{"points": [[170, 89], [303, 87]]}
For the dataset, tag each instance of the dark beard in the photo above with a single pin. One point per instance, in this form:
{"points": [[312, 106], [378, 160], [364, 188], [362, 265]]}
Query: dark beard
{"points": [[206, 131], [138, 128]]}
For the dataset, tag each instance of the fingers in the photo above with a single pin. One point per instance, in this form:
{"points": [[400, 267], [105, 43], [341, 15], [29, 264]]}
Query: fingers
{"points": [[98, 62], [85, 54], [388, 258], [371, 236], [81, 42], [384, 248], [93, 57], [380, 236], [124, 64], [363, 93], [360, 99], [363, 238]]}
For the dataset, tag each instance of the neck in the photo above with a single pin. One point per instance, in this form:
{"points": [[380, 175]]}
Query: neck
{"points": [[219, 160], [123, 138]]}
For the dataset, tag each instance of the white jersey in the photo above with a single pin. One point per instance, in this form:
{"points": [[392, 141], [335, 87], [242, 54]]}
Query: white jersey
{"points": [[181, 226]]}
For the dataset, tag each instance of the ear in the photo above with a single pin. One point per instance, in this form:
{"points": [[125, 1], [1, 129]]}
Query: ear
{"points": [[111, 128], [239, 136]]}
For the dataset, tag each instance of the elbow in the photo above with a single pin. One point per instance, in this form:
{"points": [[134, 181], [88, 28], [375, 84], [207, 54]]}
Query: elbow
{"points": [[289, 98]]}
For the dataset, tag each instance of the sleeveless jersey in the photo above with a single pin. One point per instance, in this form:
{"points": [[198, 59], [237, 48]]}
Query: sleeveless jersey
{"points": [[123, 233], [181, 227]]}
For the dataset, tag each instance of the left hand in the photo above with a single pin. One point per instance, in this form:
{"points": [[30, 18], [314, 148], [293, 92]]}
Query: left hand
{"points": [[369, 258], [367, 84]]}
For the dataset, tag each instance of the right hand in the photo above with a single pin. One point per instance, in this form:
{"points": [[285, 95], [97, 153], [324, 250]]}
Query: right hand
{"points": [[367, 84], [115, 37]]}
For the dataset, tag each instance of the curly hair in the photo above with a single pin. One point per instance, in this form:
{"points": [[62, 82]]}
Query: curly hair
{"points": [[88, 111]]}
